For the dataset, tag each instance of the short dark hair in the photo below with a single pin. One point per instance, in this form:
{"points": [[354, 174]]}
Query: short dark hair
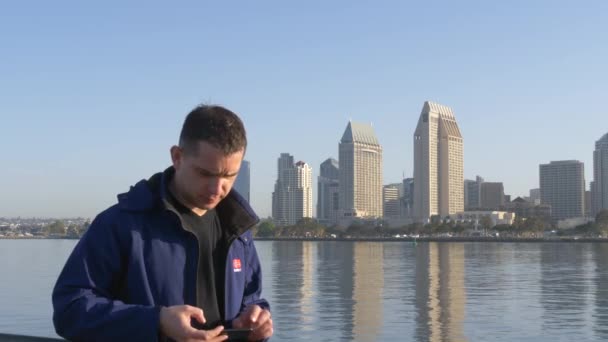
{"points": [[216, 125]]}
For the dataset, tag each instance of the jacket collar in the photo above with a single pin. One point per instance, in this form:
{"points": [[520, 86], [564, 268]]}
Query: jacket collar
{"points": [[235, 214]]}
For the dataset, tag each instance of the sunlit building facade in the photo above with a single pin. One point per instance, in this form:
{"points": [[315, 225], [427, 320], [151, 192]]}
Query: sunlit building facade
{"points": [[360, 172], [600, 175], [438, 164], [292, 196]]}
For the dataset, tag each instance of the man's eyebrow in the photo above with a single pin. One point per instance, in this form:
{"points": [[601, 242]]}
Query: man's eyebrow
{"points": [[214, 174]]}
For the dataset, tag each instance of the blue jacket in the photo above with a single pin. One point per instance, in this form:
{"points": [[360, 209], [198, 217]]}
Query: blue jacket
{"points": [[136, 257]]}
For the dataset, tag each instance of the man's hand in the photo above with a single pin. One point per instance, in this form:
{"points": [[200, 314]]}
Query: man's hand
{"points": [[257, 318], [175, 323]]}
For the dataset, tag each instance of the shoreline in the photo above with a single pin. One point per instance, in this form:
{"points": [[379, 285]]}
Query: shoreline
{"points": [[379, 239], [38, 238], [442, 239]]}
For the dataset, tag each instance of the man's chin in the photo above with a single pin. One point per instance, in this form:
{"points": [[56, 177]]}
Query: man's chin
{"points": [[208, 205]]}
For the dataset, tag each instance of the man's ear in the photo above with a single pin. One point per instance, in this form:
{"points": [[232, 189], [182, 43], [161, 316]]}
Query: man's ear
{"points": [[176, 156]]}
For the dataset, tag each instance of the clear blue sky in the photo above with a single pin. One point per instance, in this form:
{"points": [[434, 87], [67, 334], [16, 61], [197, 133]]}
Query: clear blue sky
{"points": [[92, 96]]}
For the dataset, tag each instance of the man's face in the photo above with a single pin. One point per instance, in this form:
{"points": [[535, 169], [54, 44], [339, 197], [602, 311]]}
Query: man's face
{"points": [[205, 176]]}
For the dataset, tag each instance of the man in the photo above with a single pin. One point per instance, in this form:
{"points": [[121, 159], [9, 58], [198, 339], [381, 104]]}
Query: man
{"points": [[174, 253]]}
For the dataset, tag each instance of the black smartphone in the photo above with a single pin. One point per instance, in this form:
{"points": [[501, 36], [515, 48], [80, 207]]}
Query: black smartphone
{"points": [[237, 334]]}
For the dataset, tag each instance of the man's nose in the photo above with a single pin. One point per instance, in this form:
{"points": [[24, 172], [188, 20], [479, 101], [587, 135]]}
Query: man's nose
{"points": [[215, 185]]}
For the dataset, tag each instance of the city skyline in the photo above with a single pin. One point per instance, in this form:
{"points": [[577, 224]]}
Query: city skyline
{"points": [[246, 164], [93, 98]]}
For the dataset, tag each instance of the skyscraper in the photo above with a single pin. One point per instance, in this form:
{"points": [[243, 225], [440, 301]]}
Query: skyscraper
{"points": [[472, 193], [243, 180], [407, 198], [360, 159], [279, 196], [492, 195], [535, 196], [292, 196], [328, 192], [438, 163], [390, 201], [600, 175], [562, 185]]}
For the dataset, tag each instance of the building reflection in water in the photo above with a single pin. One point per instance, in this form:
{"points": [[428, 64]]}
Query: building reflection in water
{"points": [[337, 288], [288, 280], [440, 292], [564, 289], [362, 291], [367, 292], [307, 289], [335, 269], [294, 284], [600, 256]]}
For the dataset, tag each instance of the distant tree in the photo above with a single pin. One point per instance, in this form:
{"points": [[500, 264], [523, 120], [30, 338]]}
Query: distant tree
{"points": [[354, 229], [306, 221], [266, 229], [57, 228], [309, 227], [503, 228], [382, 228], [461, 227], [400, 230], [486, 222], [601, 221], [416, 228], [602, 216], [589, 229], [444, 228], [335, 230], [430, 228], [517, 223], [73, 231], [535, 224], [85, 226], [435, 219]]}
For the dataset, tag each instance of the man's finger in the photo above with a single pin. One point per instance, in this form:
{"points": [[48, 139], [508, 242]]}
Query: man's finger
{"points": [[196, 334], [253, 312], [215, 331], [197, 313], [264, 331], [263, 317]]}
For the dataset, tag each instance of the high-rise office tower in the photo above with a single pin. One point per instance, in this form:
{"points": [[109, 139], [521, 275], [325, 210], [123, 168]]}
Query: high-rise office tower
{"points": [[600, 175], [492, 195], [407, 198], [535, 196], [360, 172], [328, 192], [588, 203], [279, 196], [292, 196], [438, 163], [472, 193], [562, 185], [390, 201], [243, 180]]}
